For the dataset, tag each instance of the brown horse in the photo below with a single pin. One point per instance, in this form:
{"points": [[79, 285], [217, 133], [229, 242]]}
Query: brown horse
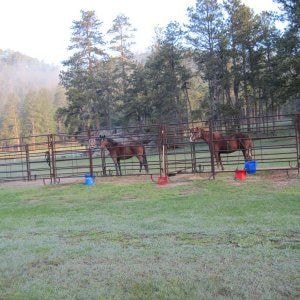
{"points": [[224, 144], [119, 151]]}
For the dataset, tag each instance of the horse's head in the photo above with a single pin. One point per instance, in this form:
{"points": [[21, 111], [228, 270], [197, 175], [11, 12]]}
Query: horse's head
{"points": [[195, 134], [103, 142]]}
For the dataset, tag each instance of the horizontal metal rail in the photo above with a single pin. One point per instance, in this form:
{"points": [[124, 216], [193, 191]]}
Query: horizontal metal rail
{"points": [[275, 139]]}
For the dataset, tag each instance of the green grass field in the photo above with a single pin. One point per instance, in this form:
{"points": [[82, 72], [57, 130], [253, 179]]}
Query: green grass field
{"points": [[133, 239]]}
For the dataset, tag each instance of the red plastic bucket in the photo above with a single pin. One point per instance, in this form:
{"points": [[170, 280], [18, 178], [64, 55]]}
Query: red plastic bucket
{"points": [[240, 174], [162, 180]]}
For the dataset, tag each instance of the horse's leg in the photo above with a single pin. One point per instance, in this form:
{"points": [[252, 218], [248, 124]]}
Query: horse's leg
{"points": [[141, 164], [250, 154], [214, 154], [245, 154], [117, 169], [140, 158], [145, 162], [249, 149], [219, 160], [216, 158], [119, 166], [221, 163], [116, 163]]}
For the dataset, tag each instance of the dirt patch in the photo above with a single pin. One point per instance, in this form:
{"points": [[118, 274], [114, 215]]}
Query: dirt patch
{"points": [[278, 178], [38, 182], [180, 179]]}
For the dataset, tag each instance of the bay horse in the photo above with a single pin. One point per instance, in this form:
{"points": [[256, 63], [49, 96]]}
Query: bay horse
{"points": [[224, 144], [121, 151]]}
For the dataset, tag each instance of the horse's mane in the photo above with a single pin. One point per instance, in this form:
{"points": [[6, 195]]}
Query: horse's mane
{"points": [[206, 134], [128, 143], [112, 142]]}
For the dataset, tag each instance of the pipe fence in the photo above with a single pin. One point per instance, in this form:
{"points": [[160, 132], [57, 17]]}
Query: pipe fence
{"points": [[169, 151]]}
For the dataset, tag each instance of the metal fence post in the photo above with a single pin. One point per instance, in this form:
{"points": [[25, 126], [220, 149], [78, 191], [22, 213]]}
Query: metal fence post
{"points": [[163, 157], [52, 162], [53, 157], [165, 152], [297, 136], [211, 148], [90, 152], [48, 154], [103, 163], [28, 171], [193, 157]]}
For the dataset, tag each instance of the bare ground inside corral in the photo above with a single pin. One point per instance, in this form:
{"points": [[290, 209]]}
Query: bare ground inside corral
{"points": [[279, 178]]}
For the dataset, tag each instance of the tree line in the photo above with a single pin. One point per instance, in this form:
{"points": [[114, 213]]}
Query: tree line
{"points": [[225, 62], [29, 96]]}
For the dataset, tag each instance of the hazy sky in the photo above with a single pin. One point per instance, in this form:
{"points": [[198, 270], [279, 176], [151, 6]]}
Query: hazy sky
{"points": [[41, 28]]}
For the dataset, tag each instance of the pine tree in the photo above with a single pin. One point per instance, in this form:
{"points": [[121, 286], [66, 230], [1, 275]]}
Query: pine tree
{"points": [[79, 78], [165, 76], [137, 106], [122, 39], [59, 102], [267, 76], [10, 125], [288, 53], [38, 114], [204, 30]]}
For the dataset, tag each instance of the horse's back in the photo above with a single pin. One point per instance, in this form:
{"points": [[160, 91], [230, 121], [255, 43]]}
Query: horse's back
{"points": [[126, 151]]}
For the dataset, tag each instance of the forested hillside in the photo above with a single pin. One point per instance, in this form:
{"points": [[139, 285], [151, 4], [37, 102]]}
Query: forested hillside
{"points": [[29, 95], [20, 74]]}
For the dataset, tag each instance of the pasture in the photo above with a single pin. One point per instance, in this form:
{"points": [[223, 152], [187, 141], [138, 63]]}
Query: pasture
{"points": [[128, 238]]}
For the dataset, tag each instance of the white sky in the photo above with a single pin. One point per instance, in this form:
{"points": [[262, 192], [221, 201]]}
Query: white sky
{"points": [[41, 28]]}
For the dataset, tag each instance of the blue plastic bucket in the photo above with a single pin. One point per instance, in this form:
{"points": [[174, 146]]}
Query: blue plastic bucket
{"points": [[250, 166], [89, 180]]}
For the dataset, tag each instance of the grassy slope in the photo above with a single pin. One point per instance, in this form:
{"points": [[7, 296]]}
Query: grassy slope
{"points": [[200, 239]]}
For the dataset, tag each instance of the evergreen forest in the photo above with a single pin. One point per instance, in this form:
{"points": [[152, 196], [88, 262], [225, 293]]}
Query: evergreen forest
{"points": [[225, 62]]}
